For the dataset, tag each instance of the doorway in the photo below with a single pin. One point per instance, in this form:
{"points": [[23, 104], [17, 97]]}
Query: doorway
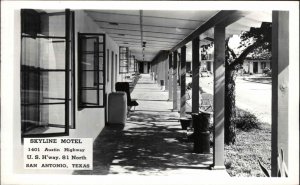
{"points": [[141, 67], [112, 71], [255, 67]]}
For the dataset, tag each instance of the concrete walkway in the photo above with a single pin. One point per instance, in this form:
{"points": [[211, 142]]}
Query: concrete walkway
{"points": [[151, 143]]}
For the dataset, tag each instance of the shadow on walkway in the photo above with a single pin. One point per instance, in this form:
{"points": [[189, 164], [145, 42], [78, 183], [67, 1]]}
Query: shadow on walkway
{"points": [[151, 143]]}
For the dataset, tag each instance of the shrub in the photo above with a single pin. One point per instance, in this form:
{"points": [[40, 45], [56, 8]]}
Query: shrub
{"points": [[269, 73], [228, 164], [266, 70], [189, 86], [246, 121]]}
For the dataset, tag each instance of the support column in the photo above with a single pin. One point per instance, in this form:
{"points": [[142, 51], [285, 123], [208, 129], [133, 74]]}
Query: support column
{"points": [[195, 76], [170, 78], [154, 68], [159, 69], [166, 75], [155, 74], [182, 81], [179, 67], [280, 88], [175, 108], [219, 96], [162, 76]]}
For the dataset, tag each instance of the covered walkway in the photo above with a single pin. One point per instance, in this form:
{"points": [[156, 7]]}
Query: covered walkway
{"points": [[151, 143]]}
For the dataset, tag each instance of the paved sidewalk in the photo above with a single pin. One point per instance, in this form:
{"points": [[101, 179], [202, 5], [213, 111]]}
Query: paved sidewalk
{"points": [[151, 143]]}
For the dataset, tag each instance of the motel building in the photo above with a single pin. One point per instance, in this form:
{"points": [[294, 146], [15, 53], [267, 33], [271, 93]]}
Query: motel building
{"points": [[66, 62]]}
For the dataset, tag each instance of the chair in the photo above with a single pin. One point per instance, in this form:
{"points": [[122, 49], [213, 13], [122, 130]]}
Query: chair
{"points": [[124, 86], [206, 102]]}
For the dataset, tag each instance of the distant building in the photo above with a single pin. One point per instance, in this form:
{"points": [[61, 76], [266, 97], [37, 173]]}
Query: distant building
{"points": [[250, 65], [256, 66]]}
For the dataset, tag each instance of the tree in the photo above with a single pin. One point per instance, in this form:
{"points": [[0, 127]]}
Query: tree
{"points": [[256, 41]]}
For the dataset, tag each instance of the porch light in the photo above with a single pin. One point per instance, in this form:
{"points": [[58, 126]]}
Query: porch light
{"points": [[113, 23]]}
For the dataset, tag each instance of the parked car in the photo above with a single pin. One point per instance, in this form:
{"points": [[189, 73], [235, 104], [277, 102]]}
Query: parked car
{"points": [[204, 73]]}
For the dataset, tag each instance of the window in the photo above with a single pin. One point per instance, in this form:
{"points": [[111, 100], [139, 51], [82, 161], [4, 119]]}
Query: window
{"points": [[135, 65], [123, 59], [131, 63], [112, 71], [46, 72], [91, 70], [113, 63], [107, 51], [263, 65]]}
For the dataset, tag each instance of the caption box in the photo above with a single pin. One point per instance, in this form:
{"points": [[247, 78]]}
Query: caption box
{"points": [[58, 153]]}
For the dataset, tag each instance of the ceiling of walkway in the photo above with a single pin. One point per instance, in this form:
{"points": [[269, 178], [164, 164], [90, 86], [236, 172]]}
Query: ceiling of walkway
{"points": [[162, 30]]}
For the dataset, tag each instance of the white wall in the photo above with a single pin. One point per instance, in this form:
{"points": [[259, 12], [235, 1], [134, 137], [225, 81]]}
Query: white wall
{"points": [[112, 46], [89, 121], [248, 65]]}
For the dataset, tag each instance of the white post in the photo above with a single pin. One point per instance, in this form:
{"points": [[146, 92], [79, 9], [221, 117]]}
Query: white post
{"points": [[219, 97], [280, 88]]}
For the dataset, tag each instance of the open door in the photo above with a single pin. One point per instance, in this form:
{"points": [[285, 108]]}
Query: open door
{"points": [[46, 73]]}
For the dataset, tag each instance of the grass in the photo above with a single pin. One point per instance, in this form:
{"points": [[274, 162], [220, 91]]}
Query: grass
{"points": [[251, 145]]}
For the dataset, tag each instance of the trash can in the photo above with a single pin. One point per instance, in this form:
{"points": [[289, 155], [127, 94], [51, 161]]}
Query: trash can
{"points": [[117, 108], [201, 132], [204, 140], [204, 119]]}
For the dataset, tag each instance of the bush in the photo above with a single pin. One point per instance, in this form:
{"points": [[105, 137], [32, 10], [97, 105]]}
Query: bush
{"points": [[189, 86], [246, 121], [267, 71], [228, 164]]}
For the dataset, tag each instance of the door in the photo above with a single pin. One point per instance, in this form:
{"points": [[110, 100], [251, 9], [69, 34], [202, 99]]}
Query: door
{"points": [[141, 67], [112, 71], [208, 66], [255, 67]]}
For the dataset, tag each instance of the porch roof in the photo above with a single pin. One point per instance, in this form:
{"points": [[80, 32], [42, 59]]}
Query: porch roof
{"points": [[169, 30]]}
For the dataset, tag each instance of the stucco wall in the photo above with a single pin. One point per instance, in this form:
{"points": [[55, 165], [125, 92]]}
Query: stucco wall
{"points": [[248, 65], [89, 121]]}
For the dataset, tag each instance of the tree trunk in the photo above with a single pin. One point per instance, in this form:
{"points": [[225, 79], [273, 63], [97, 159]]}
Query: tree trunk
{"points": [[230, 110]]}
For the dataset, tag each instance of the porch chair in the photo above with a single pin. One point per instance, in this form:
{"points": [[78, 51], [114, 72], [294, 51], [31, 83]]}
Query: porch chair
{"points": [[124, 86], [206, 102]]}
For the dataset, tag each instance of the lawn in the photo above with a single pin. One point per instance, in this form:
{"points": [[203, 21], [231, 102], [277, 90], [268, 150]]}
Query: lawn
{"points": [[241, 158], [253, 143]]}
